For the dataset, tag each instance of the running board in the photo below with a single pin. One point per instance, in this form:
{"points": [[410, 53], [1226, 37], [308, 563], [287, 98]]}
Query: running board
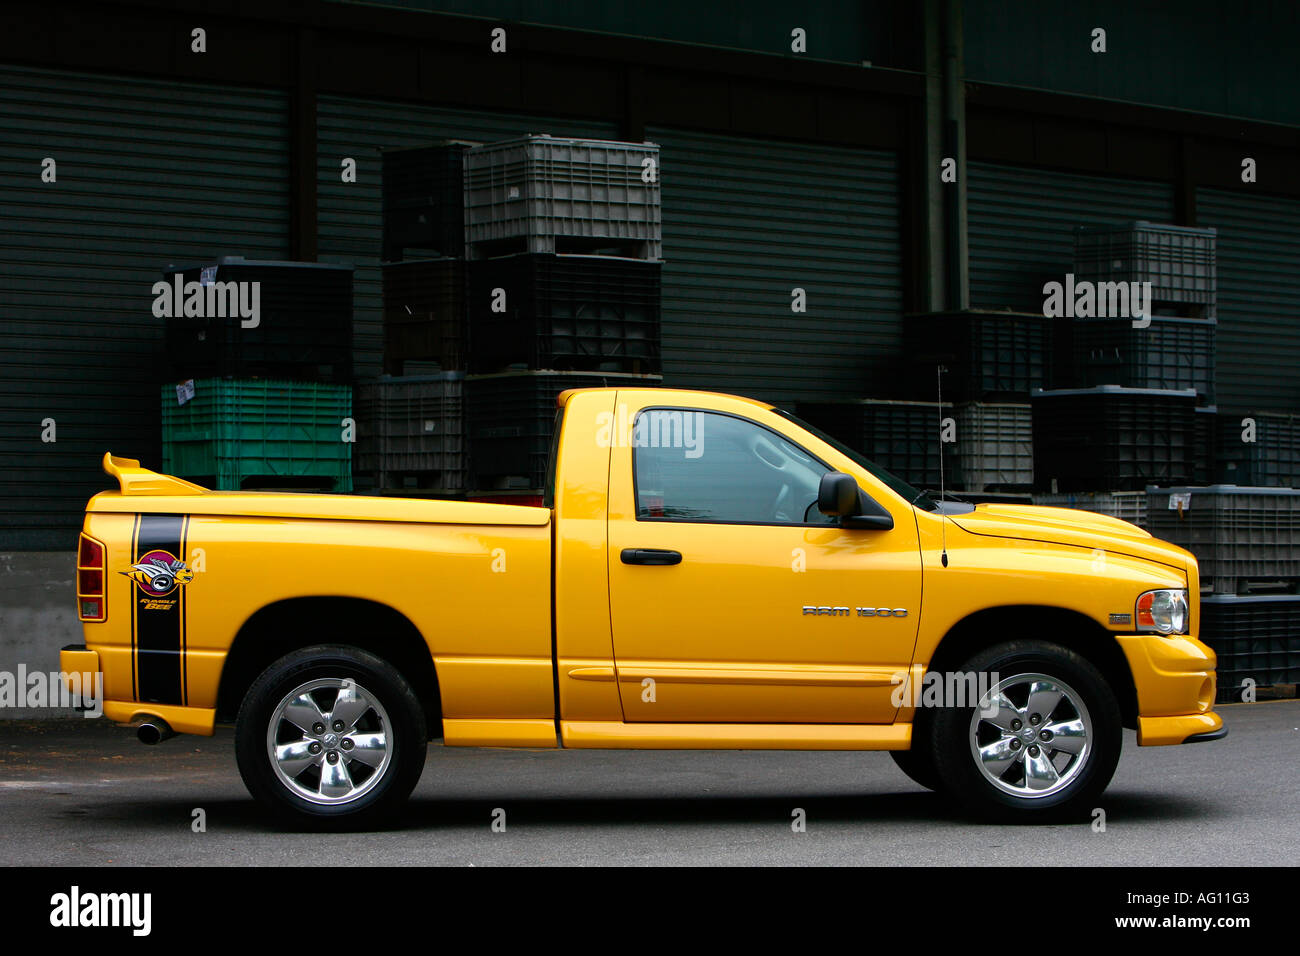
{"points": [[615, 735]]}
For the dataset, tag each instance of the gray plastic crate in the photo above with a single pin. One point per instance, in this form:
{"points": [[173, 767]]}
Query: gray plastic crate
{"points": [[1244, 538], [995, 447], [1130, 506], [1178, 261], [411, 431], [545, 194]]}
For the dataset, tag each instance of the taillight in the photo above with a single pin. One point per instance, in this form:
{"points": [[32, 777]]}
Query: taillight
{"points": [[92, 603]]}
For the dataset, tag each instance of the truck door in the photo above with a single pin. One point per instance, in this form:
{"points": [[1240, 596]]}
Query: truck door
{"points": [[733, 599]]}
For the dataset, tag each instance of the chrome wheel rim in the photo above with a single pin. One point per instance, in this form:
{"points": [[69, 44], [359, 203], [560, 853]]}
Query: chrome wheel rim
{"points": [[329, 741], [1038, 739]]}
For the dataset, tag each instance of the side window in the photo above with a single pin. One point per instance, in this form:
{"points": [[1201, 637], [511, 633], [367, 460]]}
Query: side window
{"points": [[704, 466]]}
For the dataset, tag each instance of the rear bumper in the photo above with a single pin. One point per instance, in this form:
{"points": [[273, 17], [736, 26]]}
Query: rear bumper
{"points": [[79, 659]]}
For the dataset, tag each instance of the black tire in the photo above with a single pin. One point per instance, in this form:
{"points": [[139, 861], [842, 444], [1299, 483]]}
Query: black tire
{"points": [[395, 716], [918, 763], [1081, 777]]}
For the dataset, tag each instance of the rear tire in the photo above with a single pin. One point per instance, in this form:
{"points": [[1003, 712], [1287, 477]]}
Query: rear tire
{"points": [[331, 736], [1052, 746]]}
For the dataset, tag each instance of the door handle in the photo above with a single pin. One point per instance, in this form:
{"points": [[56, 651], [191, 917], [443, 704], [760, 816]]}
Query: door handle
{"points": [[650, 556]]}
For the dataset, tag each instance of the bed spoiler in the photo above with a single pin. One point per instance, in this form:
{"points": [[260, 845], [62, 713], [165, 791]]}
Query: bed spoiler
{"points": [[135, 480]]}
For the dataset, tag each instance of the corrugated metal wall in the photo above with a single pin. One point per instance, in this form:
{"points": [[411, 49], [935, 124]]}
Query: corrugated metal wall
{"points": [[1259, 298], [1021, 226], [350, 214], [745, 222], [148, 172]]}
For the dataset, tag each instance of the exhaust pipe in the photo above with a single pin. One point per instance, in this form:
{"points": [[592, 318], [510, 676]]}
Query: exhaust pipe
{"points": [[153, 731]]}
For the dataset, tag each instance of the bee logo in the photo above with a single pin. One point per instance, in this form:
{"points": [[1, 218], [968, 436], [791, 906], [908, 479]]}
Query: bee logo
{"points": [[159, 573]]}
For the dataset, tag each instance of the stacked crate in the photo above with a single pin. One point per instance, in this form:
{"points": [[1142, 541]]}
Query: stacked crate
{"points": [[563, 238], [264, 401], [411, 420], [412, 435], [991, 361], [1132, 405], [1180, 262], [1111, 438], [1247, 544]]}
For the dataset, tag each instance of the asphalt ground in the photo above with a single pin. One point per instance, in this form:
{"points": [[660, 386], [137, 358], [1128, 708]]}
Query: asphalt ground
{"points": [[77, 792]]}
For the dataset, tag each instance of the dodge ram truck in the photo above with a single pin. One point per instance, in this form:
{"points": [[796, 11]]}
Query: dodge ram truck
{"points": [[705, 571]]}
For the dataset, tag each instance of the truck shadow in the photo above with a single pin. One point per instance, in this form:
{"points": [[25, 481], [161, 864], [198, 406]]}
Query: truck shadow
{"points": [[431, 814]]}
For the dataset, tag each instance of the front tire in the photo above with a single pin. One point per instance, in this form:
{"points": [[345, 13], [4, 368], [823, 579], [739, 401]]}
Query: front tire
{"points": [[331, 736], [1040, 745]]}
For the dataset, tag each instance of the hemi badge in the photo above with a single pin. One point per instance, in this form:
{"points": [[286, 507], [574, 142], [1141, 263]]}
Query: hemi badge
{"points": [[1121, 618]]}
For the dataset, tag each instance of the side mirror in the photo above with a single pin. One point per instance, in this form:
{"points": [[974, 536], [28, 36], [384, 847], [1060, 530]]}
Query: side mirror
{"points": [[839, 496]]}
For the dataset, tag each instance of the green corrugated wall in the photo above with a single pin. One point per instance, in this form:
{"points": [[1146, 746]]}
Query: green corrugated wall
{"points": [[745, 222], [1259, 298], [148, 173]]}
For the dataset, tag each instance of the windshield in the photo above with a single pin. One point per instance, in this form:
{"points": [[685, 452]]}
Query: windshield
{"points": [[913, 495]]}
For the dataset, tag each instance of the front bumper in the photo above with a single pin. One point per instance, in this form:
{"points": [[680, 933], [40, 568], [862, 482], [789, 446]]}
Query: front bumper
{"points": [[1175, 683]]}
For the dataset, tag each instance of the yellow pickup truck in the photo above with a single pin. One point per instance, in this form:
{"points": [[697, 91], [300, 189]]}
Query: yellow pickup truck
{"points": [[706, 572]]}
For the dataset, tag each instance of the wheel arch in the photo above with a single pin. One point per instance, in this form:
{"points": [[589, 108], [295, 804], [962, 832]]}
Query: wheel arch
{"points": [[1063, 626], [294, 623]]}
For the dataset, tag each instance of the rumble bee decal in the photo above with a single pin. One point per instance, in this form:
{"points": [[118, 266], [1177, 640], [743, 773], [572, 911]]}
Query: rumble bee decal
{"points": [[159, 573]]}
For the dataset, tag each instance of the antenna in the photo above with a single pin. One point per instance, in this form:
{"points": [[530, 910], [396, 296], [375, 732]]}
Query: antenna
{"points": [[943, 557]]}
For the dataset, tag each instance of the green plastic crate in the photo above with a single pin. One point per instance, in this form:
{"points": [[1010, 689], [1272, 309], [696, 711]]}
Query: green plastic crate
{"points": [[237, 433]]}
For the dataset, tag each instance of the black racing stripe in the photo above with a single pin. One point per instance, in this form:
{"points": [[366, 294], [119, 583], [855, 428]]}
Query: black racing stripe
{"points": [[185, 657], [158, 628], [134, 592]]}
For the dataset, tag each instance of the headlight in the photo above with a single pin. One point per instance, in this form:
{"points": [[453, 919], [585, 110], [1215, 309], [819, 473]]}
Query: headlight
{"points": [[1165, 612]]}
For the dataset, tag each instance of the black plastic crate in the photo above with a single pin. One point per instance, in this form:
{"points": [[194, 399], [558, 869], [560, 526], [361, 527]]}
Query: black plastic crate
{"points": [[1243, 538], [1170, 353], [424, 200], [411, 432], [1272, 460], [1255, 638], [1121, 439], [901, 437], [424, 313], [567, 312], [303, 331], [988, 355], [511, 419]]}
